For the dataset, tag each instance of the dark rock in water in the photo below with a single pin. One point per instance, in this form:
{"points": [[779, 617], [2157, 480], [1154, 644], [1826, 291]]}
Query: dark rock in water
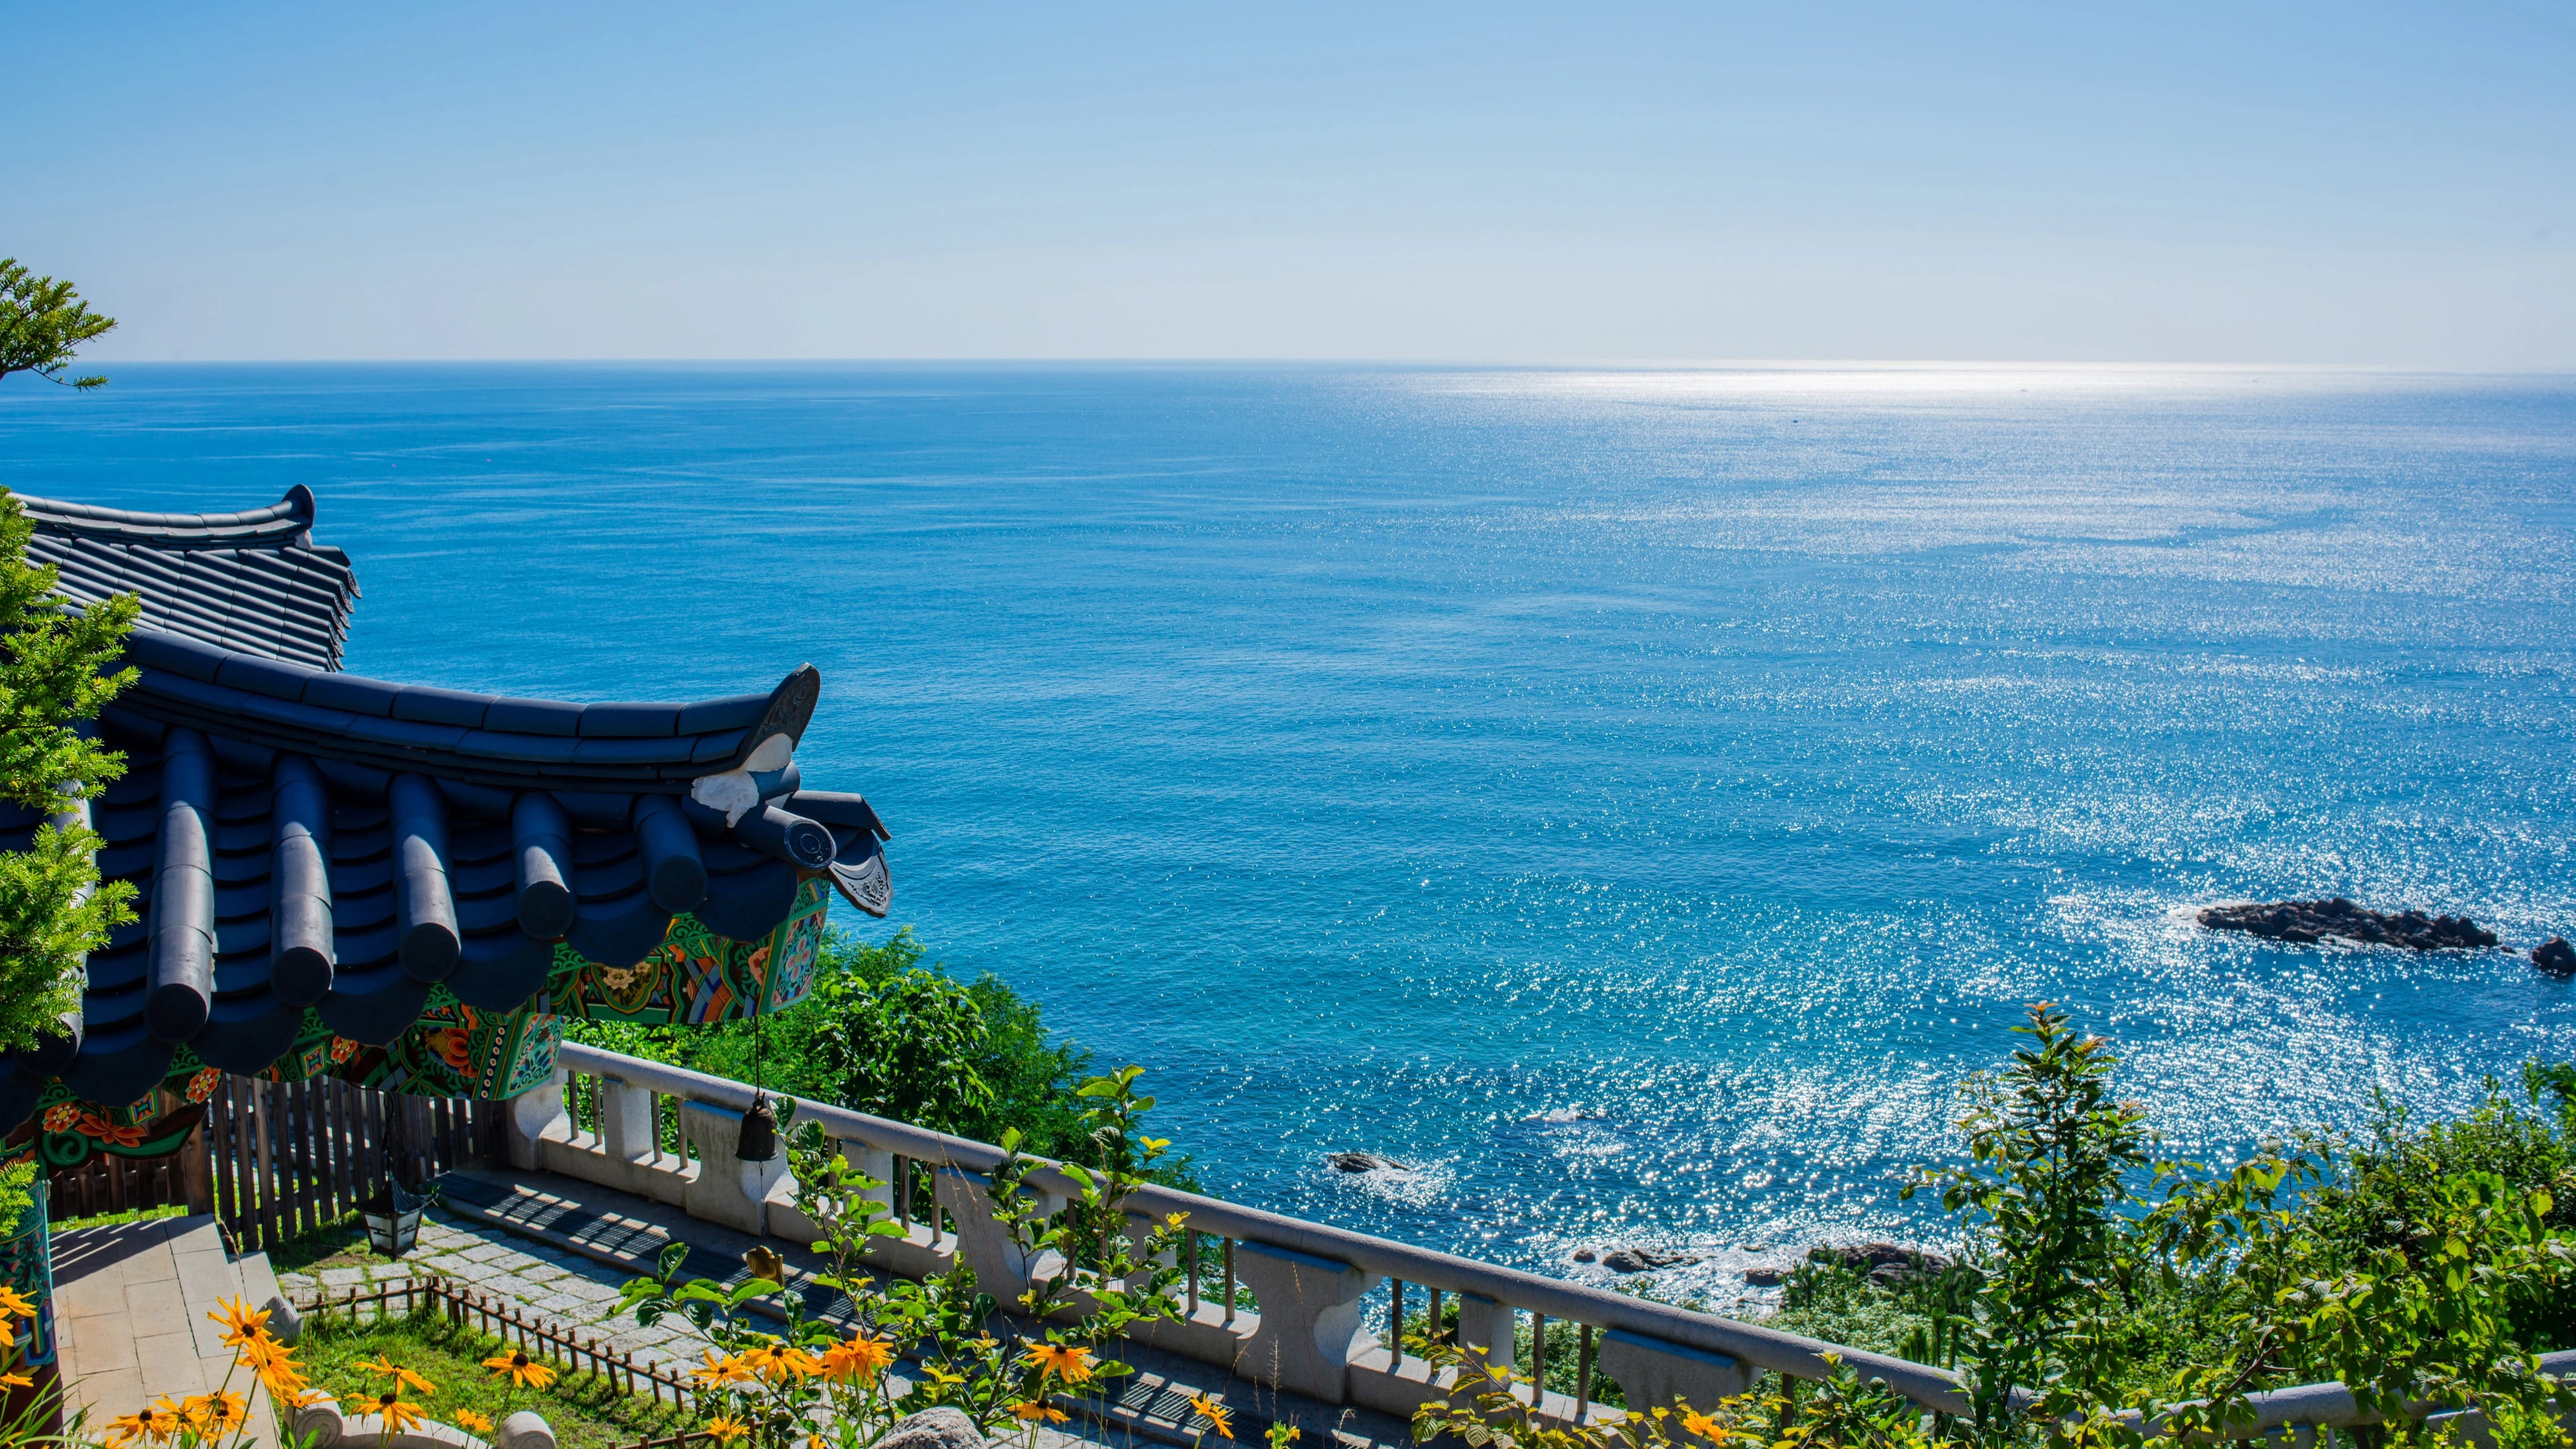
{"points": [[1586, 1255], [1764, 1275], [1645, 1260], [2306, 921], [1887, 1264], [2555, 956], [1365, 1162]]}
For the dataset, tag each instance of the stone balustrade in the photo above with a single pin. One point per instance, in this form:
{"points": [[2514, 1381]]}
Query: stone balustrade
{"points": [[1302, 1329]]}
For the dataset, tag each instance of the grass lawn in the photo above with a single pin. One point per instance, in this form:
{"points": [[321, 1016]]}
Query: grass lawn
{"points": [[341, 1244], [586, 1412], [130, 1215]]}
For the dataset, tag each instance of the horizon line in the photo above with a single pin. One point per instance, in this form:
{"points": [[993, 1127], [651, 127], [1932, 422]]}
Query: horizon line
{"points": [[1775, 364]]}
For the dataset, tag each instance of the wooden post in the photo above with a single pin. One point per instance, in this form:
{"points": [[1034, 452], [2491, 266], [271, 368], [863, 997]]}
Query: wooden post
{"points": [[223, 1147], [263, 1109]]}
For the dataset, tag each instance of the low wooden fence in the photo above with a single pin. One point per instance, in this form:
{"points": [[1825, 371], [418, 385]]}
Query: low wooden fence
{"points": [[502, 1319]]}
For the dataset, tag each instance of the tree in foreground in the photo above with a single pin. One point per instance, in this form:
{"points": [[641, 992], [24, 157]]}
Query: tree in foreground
{"points": [[42, 323], [58, 665]]}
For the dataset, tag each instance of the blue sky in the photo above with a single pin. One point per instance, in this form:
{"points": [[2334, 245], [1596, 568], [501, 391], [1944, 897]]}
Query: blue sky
{"points": [[2332, 184]]}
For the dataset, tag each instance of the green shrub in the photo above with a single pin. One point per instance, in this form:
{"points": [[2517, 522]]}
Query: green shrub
{"points": [[886, 1034]]}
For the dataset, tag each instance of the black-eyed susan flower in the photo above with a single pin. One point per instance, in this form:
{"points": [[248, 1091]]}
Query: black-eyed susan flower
{"points": [[1070, 1362], [519, 1369]]}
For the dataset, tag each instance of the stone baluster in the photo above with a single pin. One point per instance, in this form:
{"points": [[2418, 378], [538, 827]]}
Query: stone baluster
{"points": [[626, 1127]]}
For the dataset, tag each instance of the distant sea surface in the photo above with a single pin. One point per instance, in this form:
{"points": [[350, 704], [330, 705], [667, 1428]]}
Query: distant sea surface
{"points": [[1634, 798]]}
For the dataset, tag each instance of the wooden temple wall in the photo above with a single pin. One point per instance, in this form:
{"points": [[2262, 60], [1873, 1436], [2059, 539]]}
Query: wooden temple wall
{"points": [[273, 1160]]}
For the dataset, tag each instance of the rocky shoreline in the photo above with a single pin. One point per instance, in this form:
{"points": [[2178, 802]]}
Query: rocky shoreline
{"points": [[1887, 1264]]}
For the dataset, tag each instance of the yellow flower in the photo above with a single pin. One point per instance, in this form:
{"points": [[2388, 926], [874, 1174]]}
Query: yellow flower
{"points": [[717, 1372], [385, 1368], [468, 1419], [398, 1412], [15, 1304], [1219, 1417], [154, 1424], [241, 1322], [16, 1381], [284, 1381], [726, 1430], [1704, 1425], [1034, 1412], [259, 1352], [1070, 1362], [860, 1359], [518, 1369], [778, 1362], [215, 1413]]}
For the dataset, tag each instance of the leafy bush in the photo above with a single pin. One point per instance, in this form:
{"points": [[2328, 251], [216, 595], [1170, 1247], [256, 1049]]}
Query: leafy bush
{"points": [[2105, 1297], [886, 1034]]}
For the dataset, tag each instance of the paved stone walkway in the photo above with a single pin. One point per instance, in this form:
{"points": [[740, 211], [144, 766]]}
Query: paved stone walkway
{"points": [[562, 1286]]}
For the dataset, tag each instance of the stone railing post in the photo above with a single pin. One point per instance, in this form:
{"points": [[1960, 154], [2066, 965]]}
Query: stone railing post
{"points": [[1309, 1323], [726, 1189], [537, 1116], [1655, 1374], [987, 1244], [1488, 1325]]}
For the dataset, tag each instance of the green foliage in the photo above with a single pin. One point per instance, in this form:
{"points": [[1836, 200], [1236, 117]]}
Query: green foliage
{"points": [[1839, 1304], [2050, 1156], [57, 668], [42, 324], [2107, 1297], [2395, 1173], [17, 1195], [886, 1034]]}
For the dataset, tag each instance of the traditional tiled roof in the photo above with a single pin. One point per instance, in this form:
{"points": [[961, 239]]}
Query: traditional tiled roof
{"points": [[300, 838], [252, 581]]}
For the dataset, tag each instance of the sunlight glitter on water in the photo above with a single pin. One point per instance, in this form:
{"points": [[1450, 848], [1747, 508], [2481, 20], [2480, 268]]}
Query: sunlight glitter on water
{"points": [[1638, 798]]}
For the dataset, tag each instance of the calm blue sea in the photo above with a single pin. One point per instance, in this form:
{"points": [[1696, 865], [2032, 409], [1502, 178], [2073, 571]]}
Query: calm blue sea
{"points": [[1634, 797]]}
